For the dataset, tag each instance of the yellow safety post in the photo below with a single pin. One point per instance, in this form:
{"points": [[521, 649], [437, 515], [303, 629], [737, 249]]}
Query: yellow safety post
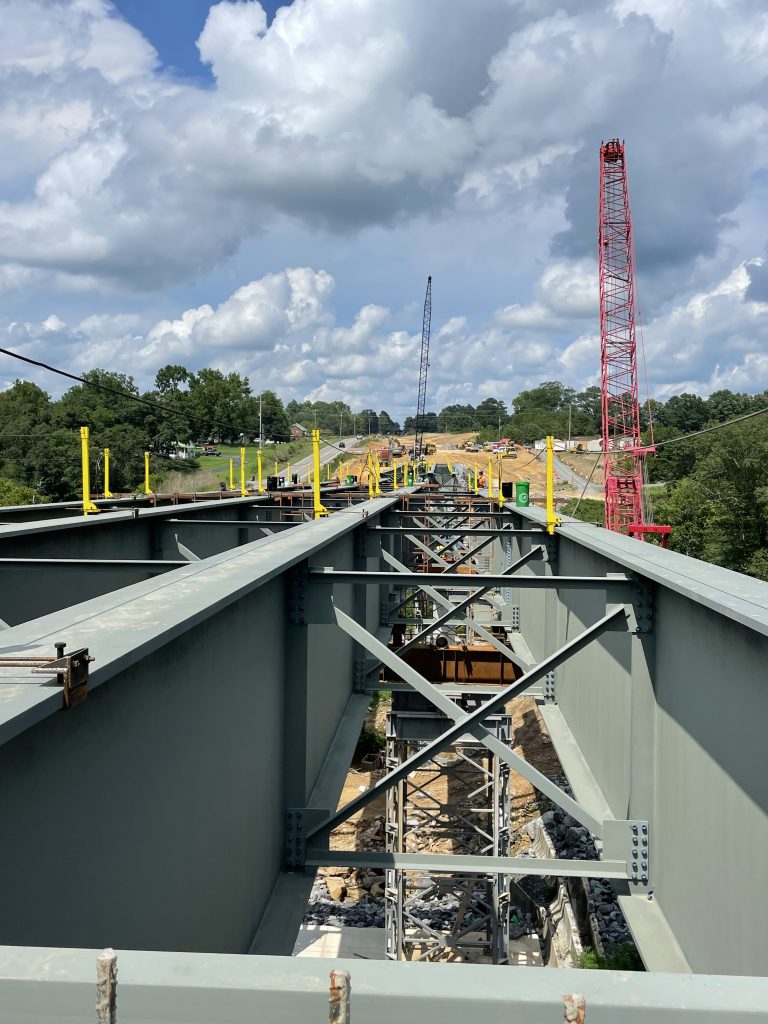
{"points": [[552, 519], [320, 509], [394, 474], [477, 489], [259, 477], [88, 505], [276, 469], [243, 488], [490, 477], [378, 475], [231, 474], [501, 477], [107, 492], [371, 489], [147, 488]]}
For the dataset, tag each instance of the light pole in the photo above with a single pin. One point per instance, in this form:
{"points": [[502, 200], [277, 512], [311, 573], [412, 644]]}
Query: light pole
{"points": [[261, 432], [341, 423]]}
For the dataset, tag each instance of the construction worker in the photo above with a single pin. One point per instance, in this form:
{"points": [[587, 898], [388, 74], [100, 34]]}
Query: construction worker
{"points": [[481, 479]]}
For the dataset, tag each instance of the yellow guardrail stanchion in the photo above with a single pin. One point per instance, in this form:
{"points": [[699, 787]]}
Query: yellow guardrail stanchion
{"points": [[490, 477], [378, 475], [107, 492], [501, 478], [231, 474], [259, 477], [553, 520], [319, 507], [394, 474], [147, 488], [371, 489], [276, 469], [243, 488], [88, 505]]}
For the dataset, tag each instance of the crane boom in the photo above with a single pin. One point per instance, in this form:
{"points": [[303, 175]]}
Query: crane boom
{"points": [[621, 439], [421, 404]]}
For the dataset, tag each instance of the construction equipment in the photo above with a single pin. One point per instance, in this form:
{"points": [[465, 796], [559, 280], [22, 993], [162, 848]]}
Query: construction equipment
{"points": [[625, 453], [421, 403]]}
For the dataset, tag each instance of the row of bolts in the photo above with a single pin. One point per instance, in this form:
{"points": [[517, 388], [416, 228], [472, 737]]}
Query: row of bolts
{"points": [[339, 998]]}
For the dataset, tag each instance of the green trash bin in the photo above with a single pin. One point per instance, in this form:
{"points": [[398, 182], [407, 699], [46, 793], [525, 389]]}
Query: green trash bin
{"points": [[522, 487], [349, 480]]}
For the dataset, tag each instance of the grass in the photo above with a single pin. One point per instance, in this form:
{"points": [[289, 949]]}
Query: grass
{"points": [[207, 472], [590, 510], [622, 956]]}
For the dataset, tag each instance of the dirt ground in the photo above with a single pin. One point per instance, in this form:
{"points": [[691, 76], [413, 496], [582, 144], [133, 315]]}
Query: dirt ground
{"points": [[583, 465]]}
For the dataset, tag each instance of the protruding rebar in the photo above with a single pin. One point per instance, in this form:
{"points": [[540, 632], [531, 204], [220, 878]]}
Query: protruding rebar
{"points": [[106, 987], [338, 1006]]}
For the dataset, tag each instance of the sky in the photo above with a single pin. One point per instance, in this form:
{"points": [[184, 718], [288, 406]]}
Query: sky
{"points": [[265, 188]]}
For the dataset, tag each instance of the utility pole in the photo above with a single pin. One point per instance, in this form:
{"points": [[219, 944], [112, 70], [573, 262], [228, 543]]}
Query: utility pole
{"points": [[261, 432], [570, 407], [341, 423]]}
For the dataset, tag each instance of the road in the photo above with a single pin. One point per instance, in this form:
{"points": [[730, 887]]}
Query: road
{"points": [[570, 476], [328, 453]]}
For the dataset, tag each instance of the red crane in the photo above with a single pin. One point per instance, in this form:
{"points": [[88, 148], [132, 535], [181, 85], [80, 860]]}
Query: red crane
{"points": [[624, 457]]}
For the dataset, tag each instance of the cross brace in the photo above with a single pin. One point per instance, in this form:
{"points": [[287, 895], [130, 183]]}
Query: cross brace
{"points": [[470, 723]]}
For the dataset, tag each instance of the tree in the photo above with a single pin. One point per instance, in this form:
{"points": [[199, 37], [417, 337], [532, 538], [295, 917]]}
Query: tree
{"points": [[456, 418], [490, 412], [684, 412]]}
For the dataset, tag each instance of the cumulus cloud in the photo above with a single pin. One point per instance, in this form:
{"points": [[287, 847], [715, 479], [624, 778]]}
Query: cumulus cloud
{"points": [[282, 331], [343, 115]]}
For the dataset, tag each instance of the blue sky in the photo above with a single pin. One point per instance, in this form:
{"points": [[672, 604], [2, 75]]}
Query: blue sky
{"points": [[275, 207], [172, 26]]}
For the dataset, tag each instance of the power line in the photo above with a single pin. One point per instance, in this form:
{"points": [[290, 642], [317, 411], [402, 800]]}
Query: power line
{"points": [[717, 426]]}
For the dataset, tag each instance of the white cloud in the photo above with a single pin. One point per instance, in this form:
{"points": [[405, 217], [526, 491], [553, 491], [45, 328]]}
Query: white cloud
{"points": [[342, 117]]}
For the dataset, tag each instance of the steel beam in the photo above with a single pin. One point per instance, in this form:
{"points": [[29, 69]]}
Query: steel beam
{"points": [[325, 574], [467, 531], [466, 864]]}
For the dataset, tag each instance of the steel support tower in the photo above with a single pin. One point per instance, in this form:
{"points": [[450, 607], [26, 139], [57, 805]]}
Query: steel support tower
{"points": [[622, 444], [421, 403], [457, 801]]}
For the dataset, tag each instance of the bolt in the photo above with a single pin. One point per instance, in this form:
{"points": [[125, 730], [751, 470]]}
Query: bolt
{"points": [[644, 865], [645, 828], [59, 645], [634, 829]]}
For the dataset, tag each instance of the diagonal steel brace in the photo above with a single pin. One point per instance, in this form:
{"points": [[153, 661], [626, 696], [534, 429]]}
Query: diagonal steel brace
{"points": [[470, 723]]}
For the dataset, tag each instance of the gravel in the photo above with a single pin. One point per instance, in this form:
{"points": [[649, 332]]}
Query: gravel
{"points": [[574, 842]]}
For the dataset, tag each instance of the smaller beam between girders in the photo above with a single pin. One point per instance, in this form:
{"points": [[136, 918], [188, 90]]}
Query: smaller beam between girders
{"points": [[466, 531], [325, 574], [466, 864]]}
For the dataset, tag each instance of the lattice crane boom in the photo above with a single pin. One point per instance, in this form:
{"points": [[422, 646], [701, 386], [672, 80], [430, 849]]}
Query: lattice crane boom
{"points": [[421, 404], [622, 444]]}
